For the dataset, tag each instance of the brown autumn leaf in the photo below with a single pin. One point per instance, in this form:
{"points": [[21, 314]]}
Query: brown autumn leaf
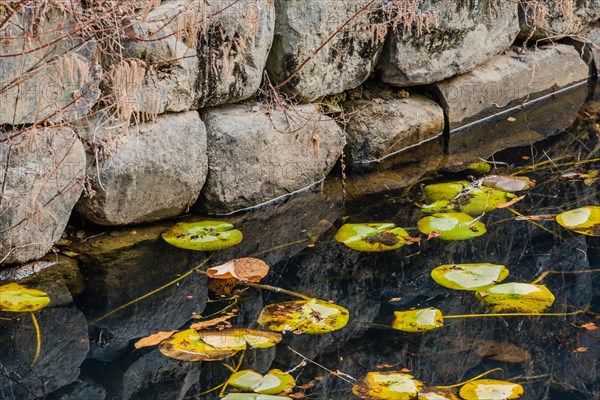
{"points": [[590, 326], [153, 339], [433, 234], [211, 322], [541, 217], [580, 350], [395, 299], [382, 366], [510, 203], [223, 287], [243, 269]]}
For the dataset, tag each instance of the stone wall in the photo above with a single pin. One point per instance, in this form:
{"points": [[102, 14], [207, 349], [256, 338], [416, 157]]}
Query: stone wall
{"points": [[144, 112]]}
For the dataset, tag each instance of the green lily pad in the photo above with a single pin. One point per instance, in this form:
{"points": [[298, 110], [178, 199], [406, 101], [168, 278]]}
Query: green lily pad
{"points": [[424, 319], [387, 386], [516, 297], [253, 396], [508, 183], [463, 196], [188, 346], [584, 220], [489, 389], [274, 382], [203, 235], [375, 237], [306, 316], [238, 339], [479, 168], [18, 298], [451, 226], [469, 276]]}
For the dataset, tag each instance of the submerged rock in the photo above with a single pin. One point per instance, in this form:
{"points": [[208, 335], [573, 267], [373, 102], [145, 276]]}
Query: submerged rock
{"points": [[456, 37], [148, 172], [41, 172], [256, 156], [542, 19], [344, 63]]}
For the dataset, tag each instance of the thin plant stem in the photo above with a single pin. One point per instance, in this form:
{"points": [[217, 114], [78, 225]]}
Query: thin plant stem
{"points": [[534, 223], [233, 370], [470, 380], [523, 314], [323, 367], [546, 273], [38, 336]]}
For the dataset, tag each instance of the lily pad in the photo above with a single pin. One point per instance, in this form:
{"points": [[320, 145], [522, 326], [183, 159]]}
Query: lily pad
{"points": [[274, 382], [516, 297], [253, 396], [238, 339], [463, 196], [451, 226], [375, 237], [508, 183], [203, 235], [18, 298], [584, 220], [489, 389], [387, 386], [424, 319], [188, 346], [469, 276], [304, 316]]}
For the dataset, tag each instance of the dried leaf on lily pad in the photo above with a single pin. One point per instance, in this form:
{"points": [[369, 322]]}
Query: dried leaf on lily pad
{"points": [[469, 276], [304, 316], [202, 235], [387, 386], [490, 389], [424, 319], [223, 287], [274, 382], [238, 339], [372, 237], [153, 340], [212, 322], [18, 298], [188, 346], [584, 220], [245, 269], [434, 393], [463, 196], [451, 226], [508, 183], [516, 297], [253, 396]]}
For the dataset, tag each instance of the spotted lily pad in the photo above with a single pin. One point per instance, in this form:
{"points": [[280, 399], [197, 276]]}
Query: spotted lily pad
{"points": [[516, 297], [424, 319], [463, 196], [188, 346], [375, 237], [239, 339], [469, 276], [489, 389], [451, 226], [18, 298], [253, 396], [584, 220], [203, 235], [274, 382], [304, 316], [387, 386]]}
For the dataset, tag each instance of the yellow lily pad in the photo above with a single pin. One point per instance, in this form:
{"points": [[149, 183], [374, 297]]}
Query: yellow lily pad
{"points": [[463, 196], [387, 386], [469, 276], [18, 298], [421, 320], [238, 339], [374, 237], [203, 235], [584, 220], [188, 346], [490, 389], [253, 396], [451, 226], [274, 382], [304, 316], [516, 297]]}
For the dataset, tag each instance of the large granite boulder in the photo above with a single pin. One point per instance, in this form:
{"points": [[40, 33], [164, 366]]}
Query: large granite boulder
{"points": [[47, 71], [257, 155], [343, 63], [41, 174], [543, 19], [458, 37], [147, 172]]}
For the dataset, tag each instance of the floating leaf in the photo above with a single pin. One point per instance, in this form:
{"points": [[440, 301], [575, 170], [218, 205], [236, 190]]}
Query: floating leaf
{"points": [[489, 389], [375, 237], [387, 386], [516, 297], [245, 269], [584, 220], [153, 340], [469, 276], [274, 382], [451, 226], [198, 326], [434, 393], [203, 235], [463, 196], [237, 339], [479, 168], [306, 316], [18, 298], [424, 319], [253, 396], [187, 346], [508, 183]]}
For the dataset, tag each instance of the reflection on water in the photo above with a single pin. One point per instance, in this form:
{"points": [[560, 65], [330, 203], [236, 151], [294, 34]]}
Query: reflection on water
{"points": [[87, 355]]}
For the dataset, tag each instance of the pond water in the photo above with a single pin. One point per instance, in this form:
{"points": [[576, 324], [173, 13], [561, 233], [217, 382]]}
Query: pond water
{"points": [[551, 357]]}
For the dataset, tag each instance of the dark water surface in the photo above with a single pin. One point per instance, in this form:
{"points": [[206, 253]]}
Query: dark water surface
{"points": [[113, 267]]}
